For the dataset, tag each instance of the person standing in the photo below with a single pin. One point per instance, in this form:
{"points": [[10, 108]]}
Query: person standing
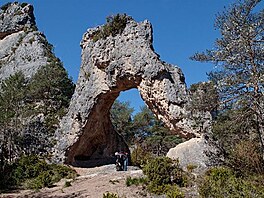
{"points": [[125, 156]]}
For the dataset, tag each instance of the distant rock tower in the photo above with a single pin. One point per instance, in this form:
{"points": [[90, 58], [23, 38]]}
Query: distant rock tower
{"points": [[22, 47]]}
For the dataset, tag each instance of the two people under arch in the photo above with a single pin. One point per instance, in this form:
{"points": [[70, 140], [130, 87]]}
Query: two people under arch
{"points": [[121, 161]]}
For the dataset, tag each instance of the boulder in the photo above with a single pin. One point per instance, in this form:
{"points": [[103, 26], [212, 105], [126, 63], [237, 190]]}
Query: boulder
{"points": [[191, 154]]}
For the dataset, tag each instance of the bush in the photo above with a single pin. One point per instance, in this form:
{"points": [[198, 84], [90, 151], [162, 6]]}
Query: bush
{"points": [[67, 184], [115, 25], [140, 157], [35, 173], [246, 158], [5, 6], [110, 195], [28, 167], [45, 179], [161, 173], [222, 182], [174, 192], [135, 181]]}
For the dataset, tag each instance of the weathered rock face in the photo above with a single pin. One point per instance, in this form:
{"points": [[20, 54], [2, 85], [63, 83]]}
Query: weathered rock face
{"points": [[21, 47], [15, 17], [192, 153], [110, 66]]}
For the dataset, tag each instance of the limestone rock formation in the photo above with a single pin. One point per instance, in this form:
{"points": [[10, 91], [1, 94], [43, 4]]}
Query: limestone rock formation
{"points": [[110, 65], [22, 48], [191, 153]]}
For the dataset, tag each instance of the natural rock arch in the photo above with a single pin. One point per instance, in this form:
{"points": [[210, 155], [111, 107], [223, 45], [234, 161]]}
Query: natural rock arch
{"points": [[109, 66]]}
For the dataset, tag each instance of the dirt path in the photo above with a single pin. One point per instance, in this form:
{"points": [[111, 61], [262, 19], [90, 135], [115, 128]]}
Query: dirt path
{"points": [[93, 183]]}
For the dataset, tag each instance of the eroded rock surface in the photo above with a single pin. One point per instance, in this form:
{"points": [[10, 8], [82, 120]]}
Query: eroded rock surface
{"points": [[22, 48], [109, 66]]}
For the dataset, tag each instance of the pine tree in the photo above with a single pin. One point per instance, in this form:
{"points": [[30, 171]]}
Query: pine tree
{"points": [[238, 56]]}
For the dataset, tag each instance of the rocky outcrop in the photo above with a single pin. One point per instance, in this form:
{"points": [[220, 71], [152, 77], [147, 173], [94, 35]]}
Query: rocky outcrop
{"points": [[25, 50], [15, 17], [191, 153], [22, 48], [111, 65]]}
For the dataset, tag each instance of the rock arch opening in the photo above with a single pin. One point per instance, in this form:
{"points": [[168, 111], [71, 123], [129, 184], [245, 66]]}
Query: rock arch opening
{"points": [[99, 140]]}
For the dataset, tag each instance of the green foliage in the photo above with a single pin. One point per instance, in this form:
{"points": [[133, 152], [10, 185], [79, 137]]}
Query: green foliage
{"points": [[135, 181], [237, 143], [191, 167], [67, 184], [121, 117], [238, 56], [12, 98], [222, 182], [174, 192], [151, 134], [5, 6], [35, 173], [23, 5], [161, 173], [140, 157], [110, 195], [51, 85], [21, 102], [28, 167], [44, 179], [114, 25]]}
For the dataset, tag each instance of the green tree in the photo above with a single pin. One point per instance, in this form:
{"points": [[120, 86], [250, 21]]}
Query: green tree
{"points": [[30, 110], [50, 89], [121, 117], [152, 134], [12, 99], [238, 56]]}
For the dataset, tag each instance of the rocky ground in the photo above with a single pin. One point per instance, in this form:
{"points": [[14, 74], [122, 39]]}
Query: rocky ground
{"points": [[91, 182]]}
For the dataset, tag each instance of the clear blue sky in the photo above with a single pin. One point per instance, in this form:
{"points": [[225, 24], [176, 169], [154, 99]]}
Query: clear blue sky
{"points": [[181, 28]]}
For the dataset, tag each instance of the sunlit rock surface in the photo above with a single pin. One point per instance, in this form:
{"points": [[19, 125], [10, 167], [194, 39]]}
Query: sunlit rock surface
{"points": [[109, 66], [22, 47], [191, 153]]}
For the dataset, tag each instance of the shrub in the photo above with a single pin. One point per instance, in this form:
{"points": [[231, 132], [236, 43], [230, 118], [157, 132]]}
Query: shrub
{"points": [[67, 184], [5, 6], [115, 25], [35, 173], [28, 167], [161, 173], [135, 181], [43, 180], [222, 182], [174, 192], [191, 167], [110, 195], [246, 158], [140, 157]]}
